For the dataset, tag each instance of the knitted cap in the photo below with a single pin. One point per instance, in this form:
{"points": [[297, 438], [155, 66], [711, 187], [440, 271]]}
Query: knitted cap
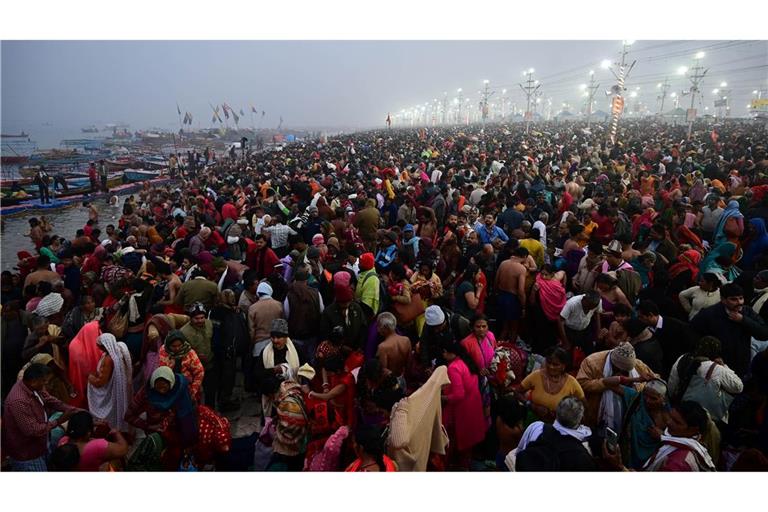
{"points": [[623, 357], [366, 261], [279, 327]]}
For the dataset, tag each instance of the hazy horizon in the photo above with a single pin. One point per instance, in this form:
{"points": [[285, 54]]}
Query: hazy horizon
{"points": [[346, 85]]}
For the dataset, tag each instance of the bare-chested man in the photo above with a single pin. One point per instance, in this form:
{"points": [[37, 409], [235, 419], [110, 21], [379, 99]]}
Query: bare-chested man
{"points": [[395, 350], [172, 287], [510, 284], [35, 232]]}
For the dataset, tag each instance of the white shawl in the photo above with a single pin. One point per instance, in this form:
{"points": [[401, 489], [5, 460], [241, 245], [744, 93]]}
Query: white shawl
{"points": [[535, 429], [610, 403], [111, 401], [667, 449], [759, 303], [292, 358], [133, 308]]}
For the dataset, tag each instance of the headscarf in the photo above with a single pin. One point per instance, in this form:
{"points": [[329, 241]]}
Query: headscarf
{"points": [[110, 402], [643, 222], [84, 358], [178, 356], [162, 372], [689, 260], [732, 210], [49, 305], [178, 398], [708, 264]]}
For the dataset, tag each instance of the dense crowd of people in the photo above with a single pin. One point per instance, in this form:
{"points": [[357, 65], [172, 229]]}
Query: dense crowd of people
{"points": [[449, 298]]}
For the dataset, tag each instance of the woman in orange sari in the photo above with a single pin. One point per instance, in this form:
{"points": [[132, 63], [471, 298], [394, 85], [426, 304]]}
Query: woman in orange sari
{"points": [[84, 356]]}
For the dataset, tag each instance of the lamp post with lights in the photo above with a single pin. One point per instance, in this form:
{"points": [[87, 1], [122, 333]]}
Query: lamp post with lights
{"points": [[531, 86]]}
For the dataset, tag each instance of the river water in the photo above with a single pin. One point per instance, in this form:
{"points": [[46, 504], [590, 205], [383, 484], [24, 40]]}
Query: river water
{"points": [[66, 222]]}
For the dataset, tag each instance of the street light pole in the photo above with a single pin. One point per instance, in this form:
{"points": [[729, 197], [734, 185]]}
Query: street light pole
{"points": [[529, 91], [696, 75], [484, 102], [503, 104], [445, 107], [592, 89], [664, 88], [458, 116]]}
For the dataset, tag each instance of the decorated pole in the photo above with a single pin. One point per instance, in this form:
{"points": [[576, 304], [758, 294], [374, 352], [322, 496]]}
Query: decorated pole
{"points": [[617, 105]]}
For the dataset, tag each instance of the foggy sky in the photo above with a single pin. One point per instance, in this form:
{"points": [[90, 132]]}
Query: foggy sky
{"points": [[343, 84]]}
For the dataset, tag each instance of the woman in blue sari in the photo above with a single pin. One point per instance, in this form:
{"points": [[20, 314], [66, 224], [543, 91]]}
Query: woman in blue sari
{"points": [[720, 261], [731, 212]]}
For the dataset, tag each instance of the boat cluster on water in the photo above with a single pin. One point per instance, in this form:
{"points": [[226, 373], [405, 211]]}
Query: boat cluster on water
{"points": [[127, 157]]}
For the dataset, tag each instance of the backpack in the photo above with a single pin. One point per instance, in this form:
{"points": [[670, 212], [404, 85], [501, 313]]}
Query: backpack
{"points": [[548, 453], [384, 301]]}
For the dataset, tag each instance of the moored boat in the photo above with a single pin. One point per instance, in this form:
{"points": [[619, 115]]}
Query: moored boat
{"points": [[119, 163], [133, 175]]}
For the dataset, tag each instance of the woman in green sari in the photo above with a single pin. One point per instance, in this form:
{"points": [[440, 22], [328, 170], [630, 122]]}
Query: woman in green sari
{"points": [[644, 421]]}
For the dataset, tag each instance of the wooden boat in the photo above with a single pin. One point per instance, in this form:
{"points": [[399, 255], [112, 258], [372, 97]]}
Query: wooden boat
{"points": [[154, 162], [119, 164], [133, 175]]}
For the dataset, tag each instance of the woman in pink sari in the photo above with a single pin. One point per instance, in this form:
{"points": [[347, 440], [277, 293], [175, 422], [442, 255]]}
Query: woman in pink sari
{"points": [[463, 416], [547, 299], [480, 346], [84, 356]]}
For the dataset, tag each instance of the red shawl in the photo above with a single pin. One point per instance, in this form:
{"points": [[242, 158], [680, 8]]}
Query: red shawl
{"points": [[689, 260], [551, 296]]}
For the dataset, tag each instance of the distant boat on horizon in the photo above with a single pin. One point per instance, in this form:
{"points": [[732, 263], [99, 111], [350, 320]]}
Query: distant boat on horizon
{"points": [[90, 129]]}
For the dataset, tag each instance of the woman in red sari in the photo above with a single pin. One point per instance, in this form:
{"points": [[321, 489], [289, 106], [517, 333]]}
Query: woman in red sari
{"points": [[341, 394]]}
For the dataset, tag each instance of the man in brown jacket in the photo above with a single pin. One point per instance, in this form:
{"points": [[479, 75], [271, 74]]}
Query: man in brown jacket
{"points": [[602, 374], [367, 222], [260, 316]]}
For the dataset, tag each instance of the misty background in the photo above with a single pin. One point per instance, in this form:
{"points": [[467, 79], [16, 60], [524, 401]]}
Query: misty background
{"points": [[51, 89]]}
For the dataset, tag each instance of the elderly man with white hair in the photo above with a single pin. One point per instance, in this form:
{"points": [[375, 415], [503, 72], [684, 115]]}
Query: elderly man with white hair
{"points": [[395, 350], [644, 421], [561, 446]]}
